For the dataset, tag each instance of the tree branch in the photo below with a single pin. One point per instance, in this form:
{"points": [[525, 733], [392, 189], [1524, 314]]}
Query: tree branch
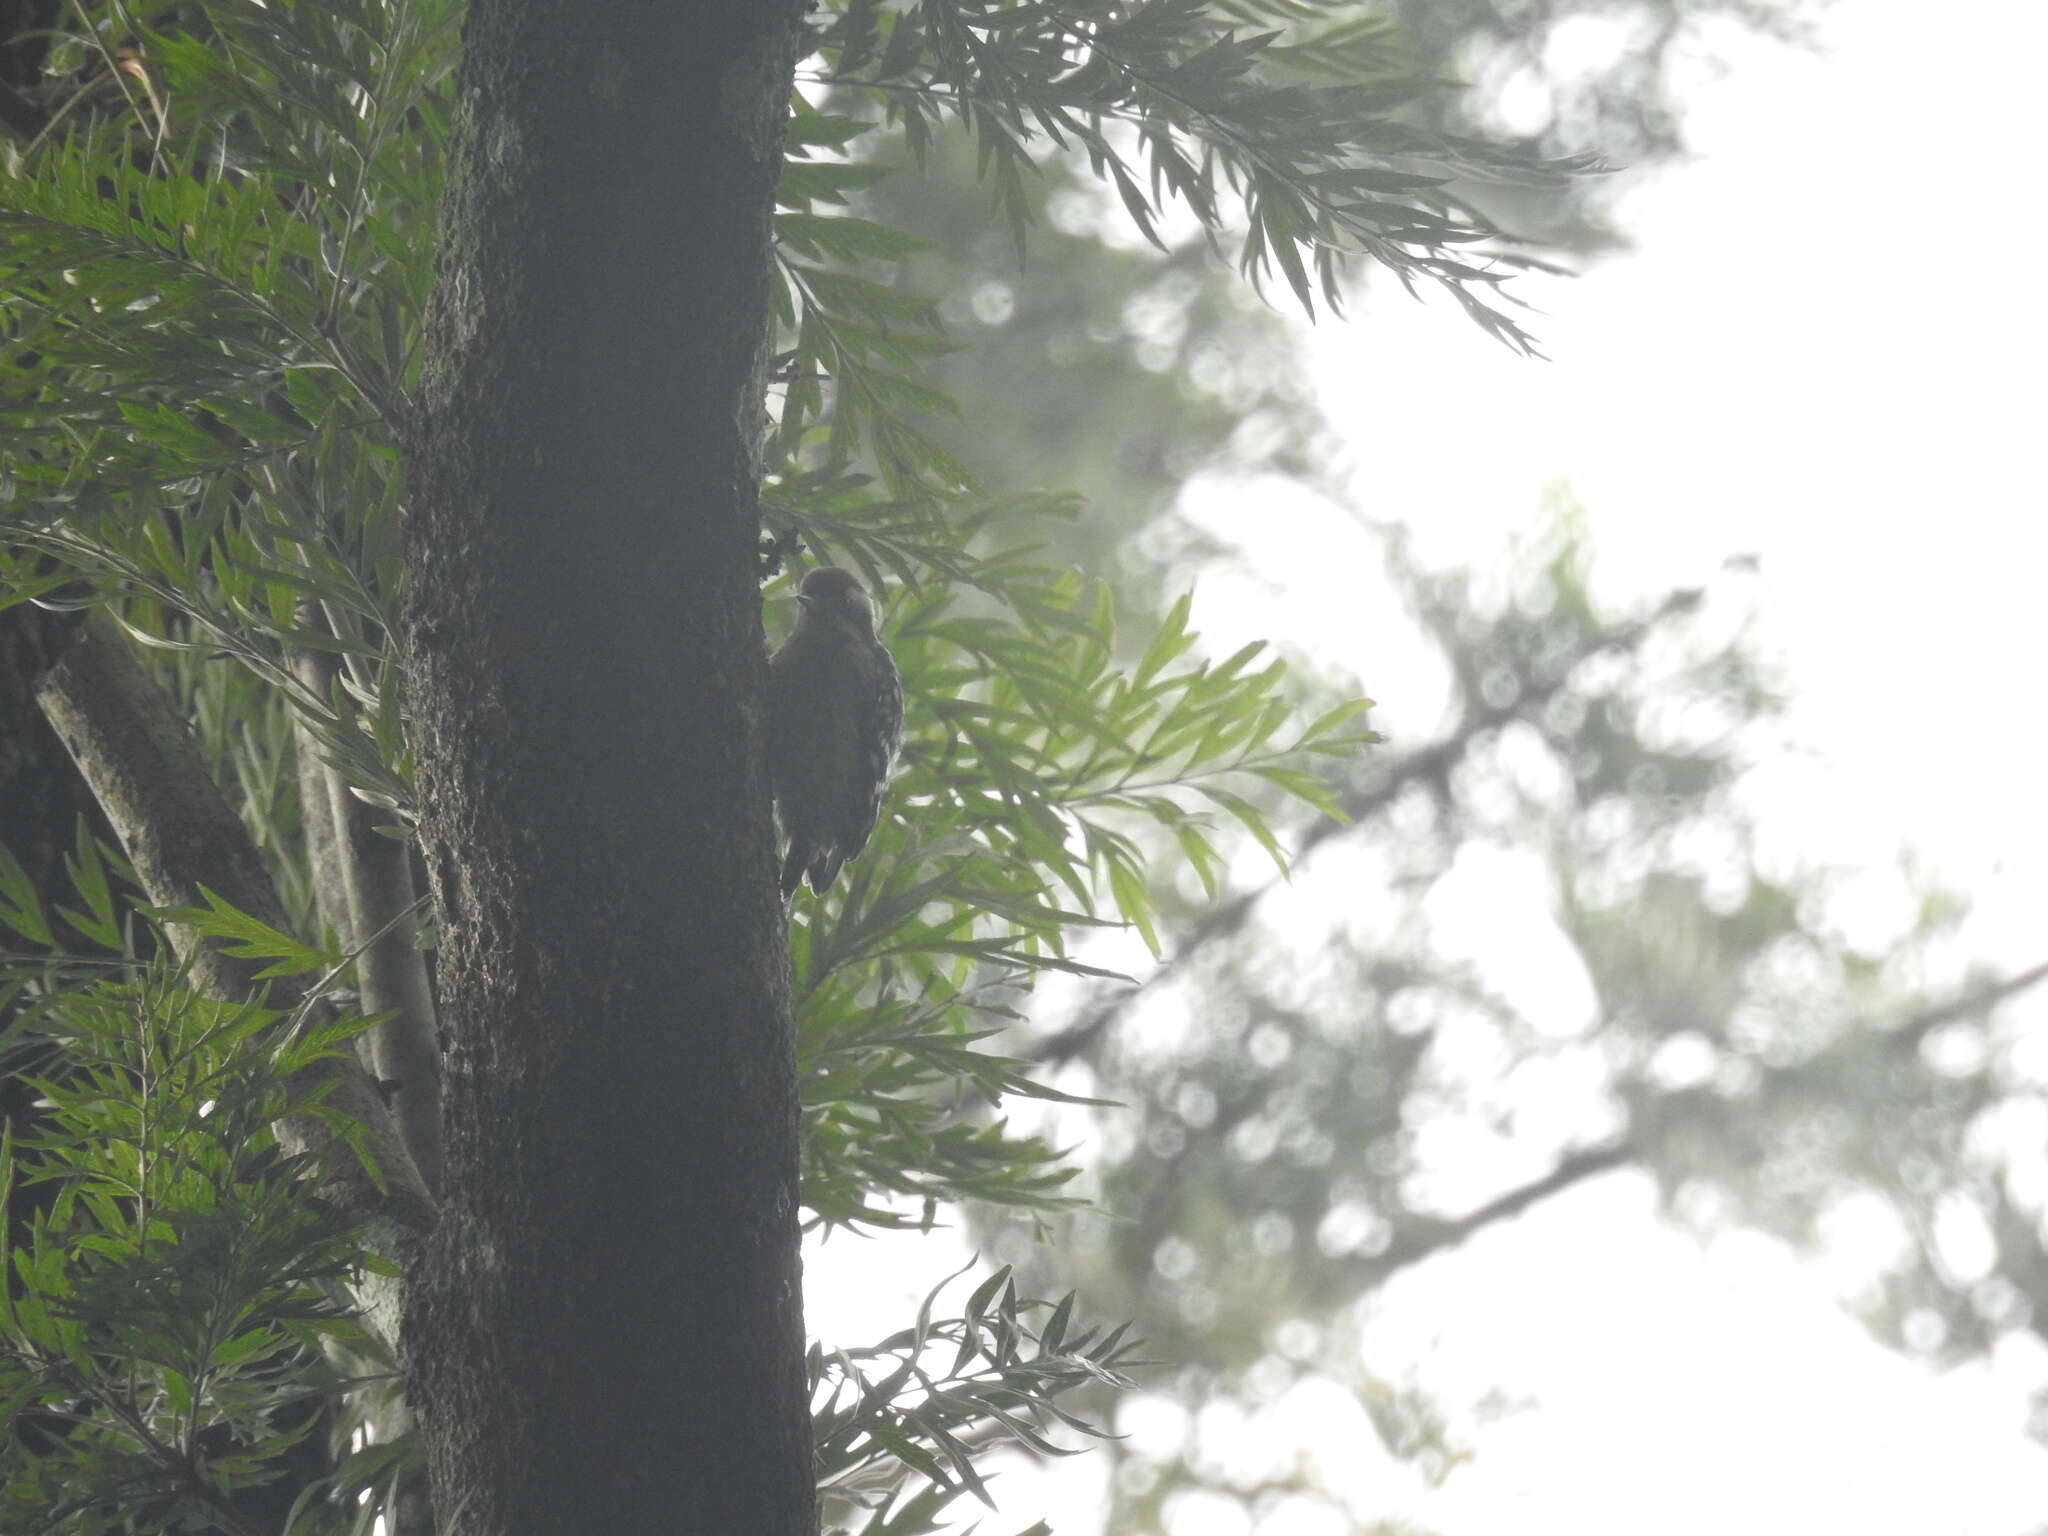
{"points": [[180, 834], [364, 884], [1421, 1237], [1921, 1025]]}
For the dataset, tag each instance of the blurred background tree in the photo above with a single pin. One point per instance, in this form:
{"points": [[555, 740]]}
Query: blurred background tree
{"points": [[1562, 939], [1154, 366], [1557, 941]]}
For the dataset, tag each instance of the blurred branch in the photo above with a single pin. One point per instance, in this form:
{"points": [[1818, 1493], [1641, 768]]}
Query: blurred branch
{"points": [[1421, 1237], [1917, 1028], [1432, 766]]}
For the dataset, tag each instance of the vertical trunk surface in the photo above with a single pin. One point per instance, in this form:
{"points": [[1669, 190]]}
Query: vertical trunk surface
{"points": [[606, 1334]]}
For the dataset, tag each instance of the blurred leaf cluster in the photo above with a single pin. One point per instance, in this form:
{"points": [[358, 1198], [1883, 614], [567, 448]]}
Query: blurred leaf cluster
{"points": [[1562, 939]]}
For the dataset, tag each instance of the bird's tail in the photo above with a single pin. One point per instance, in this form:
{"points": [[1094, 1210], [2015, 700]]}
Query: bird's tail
{"points": [[793, 868], [821, 865]]}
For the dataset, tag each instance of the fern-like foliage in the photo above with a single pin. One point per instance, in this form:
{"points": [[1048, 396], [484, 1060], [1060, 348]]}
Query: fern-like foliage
{"points": [[177, 1316], [1284, 113]]}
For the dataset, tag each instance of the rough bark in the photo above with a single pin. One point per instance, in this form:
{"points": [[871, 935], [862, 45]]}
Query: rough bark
{"points": [[606, 1334]]}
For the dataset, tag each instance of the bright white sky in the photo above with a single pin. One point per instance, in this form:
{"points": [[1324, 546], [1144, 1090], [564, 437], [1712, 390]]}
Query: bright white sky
{"points": [[1826, 350]]}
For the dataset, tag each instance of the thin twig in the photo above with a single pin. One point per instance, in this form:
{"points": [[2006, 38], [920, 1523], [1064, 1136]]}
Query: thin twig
{"points": [[1421, 1237]]}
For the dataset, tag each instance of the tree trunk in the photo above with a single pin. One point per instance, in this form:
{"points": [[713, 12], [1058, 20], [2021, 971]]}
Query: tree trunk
{"points": [[606, 1332]]}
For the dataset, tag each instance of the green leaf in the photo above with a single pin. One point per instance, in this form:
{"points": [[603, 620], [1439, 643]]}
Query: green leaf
{"points": [[21, 909], [1135, 902], [1331, 721], [1252, 820], [88, 872], [245, 938], [1305, 787]]}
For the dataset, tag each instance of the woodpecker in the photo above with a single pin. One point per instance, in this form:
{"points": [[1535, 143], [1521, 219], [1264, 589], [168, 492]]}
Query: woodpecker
{"points": [[835, 718]]}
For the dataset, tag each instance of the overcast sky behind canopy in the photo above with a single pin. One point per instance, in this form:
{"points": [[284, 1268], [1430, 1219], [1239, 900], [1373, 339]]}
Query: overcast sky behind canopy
{"points": [[1826, 350]]}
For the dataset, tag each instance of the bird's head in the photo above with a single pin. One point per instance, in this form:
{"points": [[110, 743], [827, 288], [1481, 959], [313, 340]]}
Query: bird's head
{"points": [[833, 595]]}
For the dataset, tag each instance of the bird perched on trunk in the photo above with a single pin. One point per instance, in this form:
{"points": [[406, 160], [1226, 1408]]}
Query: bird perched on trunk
{"points": [[835, 718]]}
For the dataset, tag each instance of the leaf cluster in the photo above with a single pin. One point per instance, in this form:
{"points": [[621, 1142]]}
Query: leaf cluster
{"points": [[176, 1320], [1038, 778], [209, 334], [919, 1396], [1281, 116], [1281, 124]]}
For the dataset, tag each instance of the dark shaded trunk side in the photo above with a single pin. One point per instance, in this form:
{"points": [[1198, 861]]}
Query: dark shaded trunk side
{"points": [[606, 1333], [42, 798]]}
